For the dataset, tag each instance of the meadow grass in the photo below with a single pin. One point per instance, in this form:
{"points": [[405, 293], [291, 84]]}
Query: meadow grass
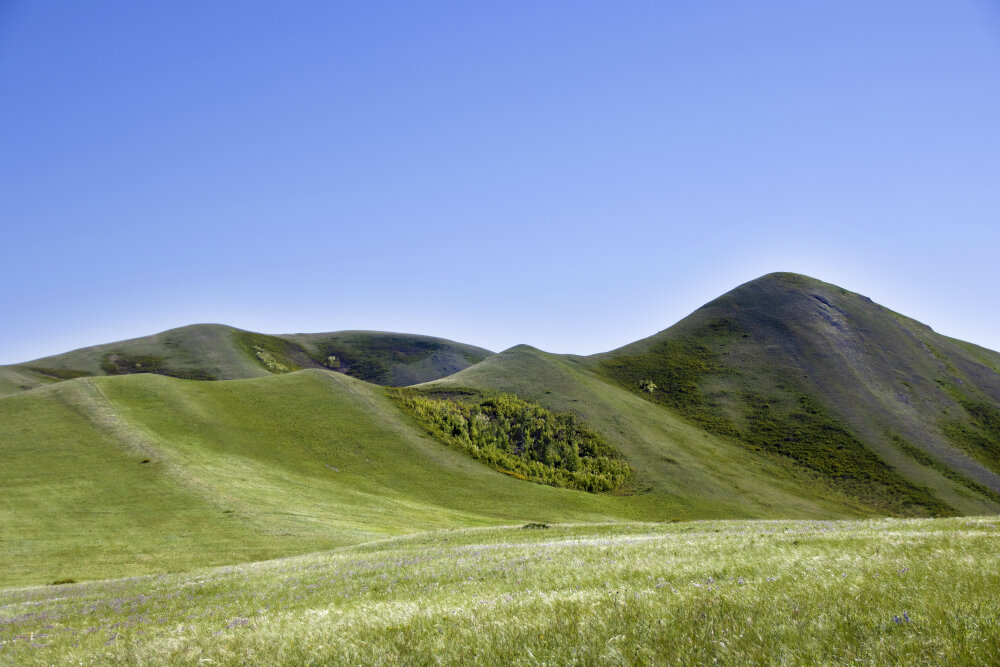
{"points": [[141, 474], [886, 591]]}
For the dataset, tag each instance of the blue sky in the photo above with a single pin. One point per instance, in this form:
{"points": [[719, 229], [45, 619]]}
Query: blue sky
{"points": [[572, 175]]}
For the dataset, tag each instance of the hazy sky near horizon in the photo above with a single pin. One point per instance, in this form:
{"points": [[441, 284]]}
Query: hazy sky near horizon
{"points": [[572, 175]]}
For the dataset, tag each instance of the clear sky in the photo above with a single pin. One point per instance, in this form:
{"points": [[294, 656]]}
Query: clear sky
{"points": [[573, 175]]}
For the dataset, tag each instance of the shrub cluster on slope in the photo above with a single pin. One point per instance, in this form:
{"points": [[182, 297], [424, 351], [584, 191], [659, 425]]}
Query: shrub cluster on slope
{"points": [[522, 439], [275, 354]]}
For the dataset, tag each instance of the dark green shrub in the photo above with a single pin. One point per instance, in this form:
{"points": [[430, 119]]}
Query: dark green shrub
{"points": [[521, 439]]}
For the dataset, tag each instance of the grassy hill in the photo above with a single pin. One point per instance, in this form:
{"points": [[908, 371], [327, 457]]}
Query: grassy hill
{"points": [[144, 473], [672, 457], [218, 352], [786, 398], [830, 383], [113, 476]]}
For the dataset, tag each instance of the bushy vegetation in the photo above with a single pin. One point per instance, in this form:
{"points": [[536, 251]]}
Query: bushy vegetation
{"points": [[797, 431], [978, 434], [275, 354], [671, 371], [819, 443], [270, 363], [371, 357], [121, 364], [521, 439]]}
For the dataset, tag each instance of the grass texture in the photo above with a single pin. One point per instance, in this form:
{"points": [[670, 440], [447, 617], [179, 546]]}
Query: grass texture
{"points": [[877, 592], [138, 474]]}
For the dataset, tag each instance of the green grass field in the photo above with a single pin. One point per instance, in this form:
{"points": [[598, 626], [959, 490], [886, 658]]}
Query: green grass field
{"points": [[137, 474], [877, 592], [750, 455]]}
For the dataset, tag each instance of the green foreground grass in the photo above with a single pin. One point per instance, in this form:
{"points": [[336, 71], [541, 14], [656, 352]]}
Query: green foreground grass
{"points": [[889, 591]]}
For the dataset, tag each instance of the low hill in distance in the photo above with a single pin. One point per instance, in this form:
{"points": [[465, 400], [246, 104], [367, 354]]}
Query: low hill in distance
{"points": [[218, 352]]}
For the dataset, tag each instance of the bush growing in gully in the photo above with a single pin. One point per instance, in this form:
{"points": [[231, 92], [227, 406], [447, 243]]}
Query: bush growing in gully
{"points": [[522, 439]]}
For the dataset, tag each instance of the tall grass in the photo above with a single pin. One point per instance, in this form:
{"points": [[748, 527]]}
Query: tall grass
{"points": [[741, 592]]}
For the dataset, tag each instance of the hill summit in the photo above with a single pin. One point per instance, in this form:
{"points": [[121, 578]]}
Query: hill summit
{"points": [[844, 387]]}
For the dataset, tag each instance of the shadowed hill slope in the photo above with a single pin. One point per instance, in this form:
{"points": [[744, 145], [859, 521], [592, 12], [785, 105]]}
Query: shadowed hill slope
{"points": [[218, 352], [825, 378]]}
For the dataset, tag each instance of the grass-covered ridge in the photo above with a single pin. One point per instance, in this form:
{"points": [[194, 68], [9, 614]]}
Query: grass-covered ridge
{"points": [[775, 417], [881, 592], [389, 358], [218, 352], [520, 438], [824, 380], [137, 474]]}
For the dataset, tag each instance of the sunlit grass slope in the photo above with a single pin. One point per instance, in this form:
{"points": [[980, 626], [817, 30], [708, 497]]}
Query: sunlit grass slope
{"points": [[107, 476], [882, 592], [143, 473], [218, 352]]}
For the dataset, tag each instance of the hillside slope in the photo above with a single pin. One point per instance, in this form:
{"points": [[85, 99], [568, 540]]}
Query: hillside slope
{"points": [[832, 382], [672, 457], [112, 476], [218, 352], [786, 398]]}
